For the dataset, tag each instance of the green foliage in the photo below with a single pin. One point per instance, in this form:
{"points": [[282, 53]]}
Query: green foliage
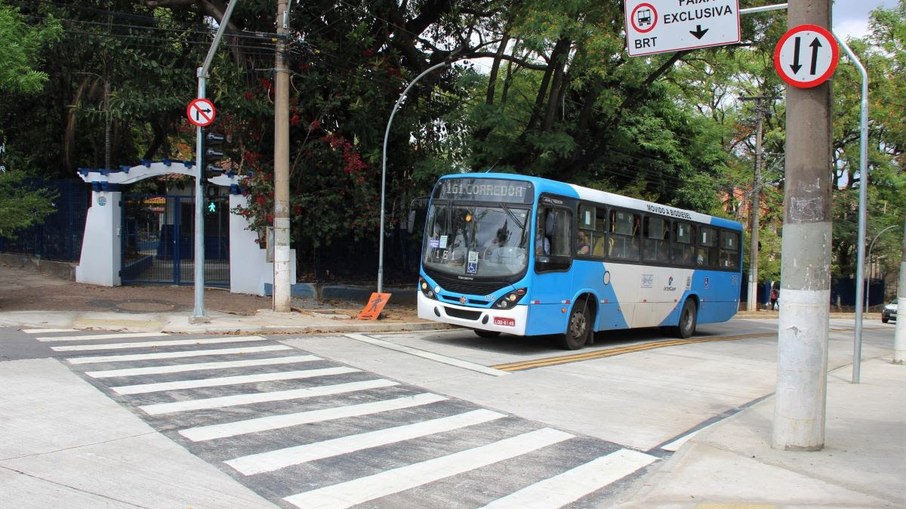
{"points": [[21, 55], [564, 101], [21, 204]]}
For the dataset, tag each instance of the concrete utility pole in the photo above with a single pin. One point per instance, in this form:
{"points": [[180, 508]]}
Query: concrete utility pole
{"points": [[282, 284], [899, 336], [800, 403]]}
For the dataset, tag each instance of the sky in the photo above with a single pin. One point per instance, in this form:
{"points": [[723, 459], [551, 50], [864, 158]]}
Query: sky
{"points": [[851, 16]]}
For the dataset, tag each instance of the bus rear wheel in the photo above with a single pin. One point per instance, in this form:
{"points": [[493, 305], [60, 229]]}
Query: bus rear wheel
{"points": [[578, 328], [688, 319]]}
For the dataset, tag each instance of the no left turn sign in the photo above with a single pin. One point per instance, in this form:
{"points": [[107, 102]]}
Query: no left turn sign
{"points": [[806, 56], [201, 112]]}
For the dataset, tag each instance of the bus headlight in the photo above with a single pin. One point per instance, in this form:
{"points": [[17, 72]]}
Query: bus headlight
{"points": [[509, 300], [426, 289]]}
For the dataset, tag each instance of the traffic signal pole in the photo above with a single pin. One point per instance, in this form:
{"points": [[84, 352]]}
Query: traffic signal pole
{"points": [[800, 402], [198, 314]]}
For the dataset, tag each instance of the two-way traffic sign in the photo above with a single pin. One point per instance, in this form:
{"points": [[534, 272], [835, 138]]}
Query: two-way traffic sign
{"points": [[806, 56], [661, 26]]}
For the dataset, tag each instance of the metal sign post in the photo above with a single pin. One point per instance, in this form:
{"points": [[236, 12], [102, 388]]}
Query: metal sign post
{"points": [[198, 314]]}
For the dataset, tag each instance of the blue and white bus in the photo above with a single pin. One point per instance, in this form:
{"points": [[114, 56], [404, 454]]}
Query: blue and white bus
{"points": [[506, 253]]}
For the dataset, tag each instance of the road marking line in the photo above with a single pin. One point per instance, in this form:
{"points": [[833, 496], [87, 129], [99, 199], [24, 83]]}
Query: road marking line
{"points": [[215, 431], [428, 355], [576, 483], [385, 483], [275, 460], [610, 352], [175, 355], [47, 331], [92, 337], [200, 366], [263, 397], [159, 344], [230, 380]]}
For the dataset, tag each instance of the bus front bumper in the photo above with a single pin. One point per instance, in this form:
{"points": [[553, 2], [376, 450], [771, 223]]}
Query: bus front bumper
{"points": [[509, 321]]}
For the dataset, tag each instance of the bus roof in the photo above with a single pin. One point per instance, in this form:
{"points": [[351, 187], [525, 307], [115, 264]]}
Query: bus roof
{"points": [[543, 185]]}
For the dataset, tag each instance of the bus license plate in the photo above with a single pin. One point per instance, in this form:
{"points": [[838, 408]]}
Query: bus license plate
{"points": [[506, 322]]}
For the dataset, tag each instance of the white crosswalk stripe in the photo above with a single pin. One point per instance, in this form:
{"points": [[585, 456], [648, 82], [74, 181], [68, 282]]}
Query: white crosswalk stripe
{"points": [[273, 460], [94, 337], [301, 424], [203, 433], [175, 355], [264, 397], [230, 380], [362, 490], [575, 483], [201, 366], [157, 344]]}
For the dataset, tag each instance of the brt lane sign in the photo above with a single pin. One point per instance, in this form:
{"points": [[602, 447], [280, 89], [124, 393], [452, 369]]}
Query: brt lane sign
{"points": [[662, 26], [806, 56]]}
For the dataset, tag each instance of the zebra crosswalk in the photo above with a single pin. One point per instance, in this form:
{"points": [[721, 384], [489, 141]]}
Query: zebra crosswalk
{"points": [[308, 432]]}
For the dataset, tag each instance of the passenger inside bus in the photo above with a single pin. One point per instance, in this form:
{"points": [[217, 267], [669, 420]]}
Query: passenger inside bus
{"points": [[582, 246], [542, 243]]}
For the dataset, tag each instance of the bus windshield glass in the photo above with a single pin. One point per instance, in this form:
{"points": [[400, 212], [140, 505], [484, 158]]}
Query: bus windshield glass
{"points": [[465, 237]]}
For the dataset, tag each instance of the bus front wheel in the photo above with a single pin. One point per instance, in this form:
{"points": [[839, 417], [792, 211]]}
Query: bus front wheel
{"points": [[688, 319], [486, 333], [578, 328]]}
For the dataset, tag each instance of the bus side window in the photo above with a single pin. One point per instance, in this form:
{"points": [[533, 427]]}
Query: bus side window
{"points": [[623, 243], [585, 230], [683, 252], [600, 239], [706, 254], [729, 250], [559, 230], [654, 234]]}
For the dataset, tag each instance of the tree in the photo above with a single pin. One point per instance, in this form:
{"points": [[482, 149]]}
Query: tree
{"points": [[21, 205]]}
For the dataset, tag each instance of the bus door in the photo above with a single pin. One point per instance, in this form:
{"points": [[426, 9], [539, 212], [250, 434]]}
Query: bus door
{"points": [[551, 286]]}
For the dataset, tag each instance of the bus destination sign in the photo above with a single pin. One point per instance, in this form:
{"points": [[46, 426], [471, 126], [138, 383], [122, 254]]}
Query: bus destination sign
{"points": [[486, 190]]}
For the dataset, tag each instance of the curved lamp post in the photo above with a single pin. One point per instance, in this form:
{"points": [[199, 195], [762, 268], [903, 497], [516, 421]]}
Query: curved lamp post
{"points": [[380, 274], [871, 245]]}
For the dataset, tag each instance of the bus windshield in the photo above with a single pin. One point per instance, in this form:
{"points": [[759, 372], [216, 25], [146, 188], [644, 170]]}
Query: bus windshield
{"points": [[487, 240]]}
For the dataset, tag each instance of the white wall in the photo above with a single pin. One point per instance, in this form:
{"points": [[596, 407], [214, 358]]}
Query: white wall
{"points": [[101, 257], [249, 268]]}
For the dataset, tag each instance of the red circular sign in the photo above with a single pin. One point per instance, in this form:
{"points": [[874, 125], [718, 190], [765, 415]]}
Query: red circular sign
{"points": [[201, 112], [806, 56], [643, 18]]}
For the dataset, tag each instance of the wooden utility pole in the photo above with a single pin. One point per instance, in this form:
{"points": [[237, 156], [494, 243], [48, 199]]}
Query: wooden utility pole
{"points": [[800, 403], [282, 270]]}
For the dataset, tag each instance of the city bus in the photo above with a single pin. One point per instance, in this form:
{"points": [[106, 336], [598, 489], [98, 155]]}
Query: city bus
{"points": [[506, 253]]}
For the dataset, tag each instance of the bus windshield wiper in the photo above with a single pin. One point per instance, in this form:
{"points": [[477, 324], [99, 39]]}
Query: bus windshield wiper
{"points": [[512, 216]]}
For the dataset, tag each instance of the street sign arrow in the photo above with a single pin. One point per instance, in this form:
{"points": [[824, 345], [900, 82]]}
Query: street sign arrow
{"points": [[699, 33], [795, 67], [815, 45]]}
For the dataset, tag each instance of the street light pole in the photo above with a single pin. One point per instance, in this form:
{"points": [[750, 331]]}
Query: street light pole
{"points": [[380, 274], [871, 245]]}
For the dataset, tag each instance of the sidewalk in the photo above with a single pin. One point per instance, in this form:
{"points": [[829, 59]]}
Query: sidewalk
{"points": [[57, 432], [732, 464]]}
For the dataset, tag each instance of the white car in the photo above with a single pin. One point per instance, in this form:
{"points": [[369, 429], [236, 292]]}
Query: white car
{"points": [[890, 312]]}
